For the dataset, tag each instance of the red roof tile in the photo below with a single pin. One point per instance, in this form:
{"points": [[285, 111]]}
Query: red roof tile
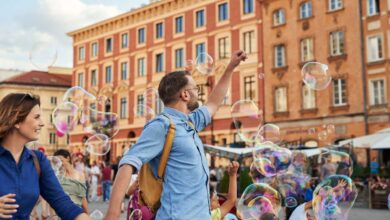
{"points": [[41, 78]]}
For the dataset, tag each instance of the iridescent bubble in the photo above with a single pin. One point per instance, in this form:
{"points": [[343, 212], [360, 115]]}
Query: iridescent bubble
{"points": [[299, 162], [189, 66], [57, 166], [59, 133], [204, 63], [230, 216], [98, 144], [388, 201], [330, 128], [258, 201], [261, 76], [65, 117], [43, 55], [335, 162], [269, 133], [292, 187], [136, 214], [323, 135], [153, 103], [311, 131], [334, 197], [78, 96], [246, 118], [257, 177], [33, 145], [102, 123], [271, 159], [96, 215], [315, 75]]}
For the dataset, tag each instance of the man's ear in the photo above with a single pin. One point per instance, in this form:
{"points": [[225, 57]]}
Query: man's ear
{"points": [[185, 95]]}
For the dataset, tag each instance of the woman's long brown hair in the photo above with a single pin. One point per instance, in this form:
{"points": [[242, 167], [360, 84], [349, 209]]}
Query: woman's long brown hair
{"points": [[14, 109]]}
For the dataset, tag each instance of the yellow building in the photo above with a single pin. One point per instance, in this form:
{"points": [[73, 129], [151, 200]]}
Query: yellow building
{"points": [[50, 86]]}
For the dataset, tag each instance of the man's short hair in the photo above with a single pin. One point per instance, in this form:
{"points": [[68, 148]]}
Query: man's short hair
{"points": [[171, 84]]}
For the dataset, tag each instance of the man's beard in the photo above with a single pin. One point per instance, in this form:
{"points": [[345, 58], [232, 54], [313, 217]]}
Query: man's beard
{"points": [[192, 105]]}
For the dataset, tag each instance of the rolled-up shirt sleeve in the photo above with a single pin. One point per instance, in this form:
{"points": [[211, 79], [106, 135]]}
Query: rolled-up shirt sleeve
{"points": [[149, 145], [51, 190], [200, 117]]}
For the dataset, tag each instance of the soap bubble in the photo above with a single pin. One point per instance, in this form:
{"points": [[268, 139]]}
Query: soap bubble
{"points": [[96, 215], [79, 96], [335, 162], [334, 197], [101, 122], [315, 75], [299, 162], [246, 118], [43, 55], [257, 201], [98, 144], [271, 159], [292, 187], [65, 117], [269, 133], [204, 63], [257, 177]]}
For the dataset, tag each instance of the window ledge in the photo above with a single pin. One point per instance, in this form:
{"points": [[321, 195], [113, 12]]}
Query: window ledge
{"points": [[343, 56], [339, 108], [378, 106], [281, 114], [309, 111], [306, 19], [329, 11], [278, 25], [373, 17], [278, 69], [376, 62]]}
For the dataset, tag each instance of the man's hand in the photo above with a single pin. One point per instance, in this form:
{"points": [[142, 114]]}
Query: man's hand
{"points": [[236, 59], [7, 209], [233, 168]]}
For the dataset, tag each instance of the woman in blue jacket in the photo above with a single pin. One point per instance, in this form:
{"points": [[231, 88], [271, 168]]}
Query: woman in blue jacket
{"points": [[26, 174]]}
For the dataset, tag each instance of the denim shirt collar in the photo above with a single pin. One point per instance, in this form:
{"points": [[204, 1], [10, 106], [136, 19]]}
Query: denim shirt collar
{"points": [[176, 113]]}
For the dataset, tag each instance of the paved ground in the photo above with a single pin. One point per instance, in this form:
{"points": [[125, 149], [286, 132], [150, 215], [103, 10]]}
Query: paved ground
{"points": [[355, 214]]}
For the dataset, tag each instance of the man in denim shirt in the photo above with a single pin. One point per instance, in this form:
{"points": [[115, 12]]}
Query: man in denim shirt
{"points": [[186, 181]]}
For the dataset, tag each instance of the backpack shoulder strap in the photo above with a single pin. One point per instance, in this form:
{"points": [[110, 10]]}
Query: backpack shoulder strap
{"points": [[36, 163], [167, 147]]}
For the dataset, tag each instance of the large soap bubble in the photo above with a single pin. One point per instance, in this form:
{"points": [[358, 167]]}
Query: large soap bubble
{"points": [[271, 159], [258, 201], [246, 118], [334, 197], [315, 75]]}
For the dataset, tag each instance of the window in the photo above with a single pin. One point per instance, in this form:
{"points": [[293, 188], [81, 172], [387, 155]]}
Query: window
{"points": [[159, 30], [336, 43], [202, 93], [159, 62], [373, 7], [305, 10], [125, 40], [94, 50], [179, 24], [123, 111], [53, 100], [281, 99], [309, 97], [339, 92], [52, 138], [280, 59], [377, 92], [247, 6], [307, 49], [222, 47], [179, 58], [108, 45], [159, 106], [199, 18], [80, 80], [140, 105], [375, 48], [249, 87], [200, 48], [279, 17], [223, 12], [248, 42], [124, 71], [335, 5], [141, 67], [141, 35], [108, 74], [93, 78], [81, 53]]}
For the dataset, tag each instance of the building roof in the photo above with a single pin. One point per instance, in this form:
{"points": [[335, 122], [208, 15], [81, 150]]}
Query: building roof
{"points": [[40, 78]]}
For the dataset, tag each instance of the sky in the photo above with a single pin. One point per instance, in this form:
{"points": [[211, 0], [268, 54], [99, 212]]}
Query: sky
{"points": [[30, 27]]}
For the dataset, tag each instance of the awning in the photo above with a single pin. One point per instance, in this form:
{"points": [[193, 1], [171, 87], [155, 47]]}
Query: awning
{"points": [[379, 140]]}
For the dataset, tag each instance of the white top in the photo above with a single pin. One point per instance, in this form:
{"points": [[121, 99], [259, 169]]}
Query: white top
{"points": [[299, 213], [95, 170]]}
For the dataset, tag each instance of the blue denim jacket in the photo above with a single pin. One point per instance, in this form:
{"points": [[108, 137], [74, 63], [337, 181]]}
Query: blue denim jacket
{"points": [[22, 179], [186, 182]]}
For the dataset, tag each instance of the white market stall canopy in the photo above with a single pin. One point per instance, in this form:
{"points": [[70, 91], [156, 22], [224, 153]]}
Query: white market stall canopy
{"points": [[379, 140], [241, 153]]}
